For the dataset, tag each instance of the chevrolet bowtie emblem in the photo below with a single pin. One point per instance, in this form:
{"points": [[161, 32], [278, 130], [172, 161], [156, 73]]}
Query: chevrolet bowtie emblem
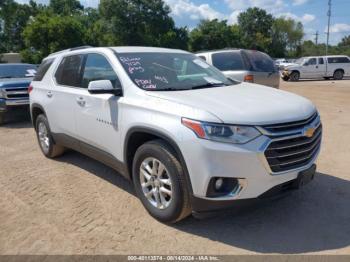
{"points": [[309, 131]]}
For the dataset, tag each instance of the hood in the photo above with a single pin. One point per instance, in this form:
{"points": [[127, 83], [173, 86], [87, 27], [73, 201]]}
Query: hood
{"points": [[15, 82], [289, 66], [246, 104]]}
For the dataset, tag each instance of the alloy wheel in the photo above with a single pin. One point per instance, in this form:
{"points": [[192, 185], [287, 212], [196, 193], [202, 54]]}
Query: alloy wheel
{"points": [[156, 183]]}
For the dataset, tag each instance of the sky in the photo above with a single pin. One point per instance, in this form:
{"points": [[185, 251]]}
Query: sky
{"points": [[312, 13]]}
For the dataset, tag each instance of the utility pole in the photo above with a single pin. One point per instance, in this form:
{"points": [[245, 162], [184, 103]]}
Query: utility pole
{"points": [[329, 22], [316, 38]]}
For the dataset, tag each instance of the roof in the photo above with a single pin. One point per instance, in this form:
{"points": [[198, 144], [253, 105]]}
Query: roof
{"points": [[122, 49]]}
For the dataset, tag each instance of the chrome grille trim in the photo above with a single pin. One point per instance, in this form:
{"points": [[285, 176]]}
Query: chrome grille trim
{"points": [[291, 150], [16, 93]]}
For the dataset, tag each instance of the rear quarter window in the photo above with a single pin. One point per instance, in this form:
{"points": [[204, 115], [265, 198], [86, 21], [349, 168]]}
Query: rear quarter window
{"points": [[43, 68], [227, 61]]}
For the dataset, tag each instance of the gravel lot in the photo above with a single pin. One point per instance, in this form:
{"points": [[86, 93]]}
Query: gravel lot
{"points": [[75, 205]]}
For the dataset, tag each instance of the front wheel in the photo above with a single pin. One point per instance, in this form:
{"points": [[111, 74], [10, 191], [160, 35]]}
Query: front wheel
{"points": [[47, 145], [159, 182], [294, 76]]}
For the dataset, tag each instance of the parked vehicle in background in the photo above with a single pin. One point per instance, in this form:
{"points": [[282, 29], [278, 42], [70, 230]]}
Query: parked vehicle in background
{"points": [[14, 83], [283, 63], [244, 65], [189, 138], [313, 67]]}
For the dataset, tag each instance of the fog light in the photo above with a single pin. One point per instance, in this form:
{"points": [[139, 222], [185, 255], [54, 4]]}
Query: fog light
{"points": [[218, 183]]}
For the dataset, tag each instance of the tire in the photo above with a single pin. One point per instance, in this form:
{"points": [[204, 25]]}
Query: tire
{"points": [[169, 208], [326, 78], [2, 118], [294, 76], [338, 75], [47, 145]]}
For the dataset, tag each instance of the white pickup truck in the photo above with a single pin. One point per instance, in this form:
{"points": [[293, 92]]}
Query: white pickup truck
{"points": [[326, 67]]}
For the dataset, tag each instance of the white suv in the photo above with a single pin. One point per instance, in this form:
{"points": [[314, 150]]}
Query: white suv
{"points": [[190, 139]]}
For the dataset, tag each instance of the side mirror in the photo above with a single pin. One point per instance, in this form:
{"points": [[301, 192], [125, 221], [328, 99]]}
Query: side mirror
{"points": [[103, 87], [306, 64]]}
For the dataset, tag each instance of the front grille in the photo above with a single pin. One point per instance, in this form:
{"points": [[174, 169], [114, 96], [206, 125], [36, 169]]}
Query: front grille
{"points": [[290, 126], [283, 155], [16, 93]]}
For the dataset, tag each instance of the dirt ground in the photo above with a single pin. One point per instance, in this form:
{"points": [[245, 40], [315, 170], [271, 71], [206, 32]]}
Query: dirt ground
{"points": [[75, 205]]}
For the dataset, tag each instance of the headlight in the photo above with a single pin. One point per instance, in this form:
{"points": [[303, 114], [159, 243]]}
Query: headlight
{"points": [[234, 134], [2, 93]]}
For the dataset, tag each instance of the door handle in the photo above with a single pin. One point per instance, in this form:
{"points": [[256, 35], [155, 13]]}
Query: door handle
{"points": [[81, 101], [49, 94], [316, 66]]}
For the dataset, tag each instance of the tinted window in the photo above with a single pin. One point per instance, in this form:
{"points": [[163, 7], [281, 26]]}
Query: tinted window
{"points": [[260, 62], [320, 61], [98, 68], [69, 71], [338, 60], [227, 61], [312, 61], [202, 57], [17, 71], [45, 65]]}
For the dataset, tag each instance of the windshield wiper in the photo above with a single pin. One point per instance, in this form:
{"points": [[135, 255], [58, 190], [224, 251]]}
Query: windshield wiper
{"points": [[169, 89], [1, 77], [208, 85]]}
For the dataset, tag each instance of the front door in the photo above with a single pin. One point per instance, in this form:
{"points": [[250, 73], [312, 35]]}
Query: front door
{"points": [[98, 115], [310, 69]]}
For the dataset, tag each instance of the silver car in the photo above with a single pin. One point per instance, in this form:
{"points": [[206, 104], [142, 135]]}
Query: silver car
{"points": [[244, 65]]}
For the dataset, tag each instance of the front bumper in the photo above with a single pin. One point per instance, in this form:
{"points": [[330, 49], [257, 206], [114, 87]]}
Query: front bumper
{"points": [[6, 104], [201, 205], [207, 159]]}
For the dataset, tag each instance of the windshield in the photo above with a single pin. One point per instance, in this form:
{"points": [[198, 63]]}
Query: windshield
{"points": [[17, 71], [171, 71], [300, 61]]}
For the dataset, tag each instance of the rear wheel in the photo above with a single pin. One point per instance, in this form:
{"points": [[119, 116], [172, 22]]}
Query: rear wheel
{"points": [[46, 142], [2, 118], [294, 76], [159, 182], [338, 75]]}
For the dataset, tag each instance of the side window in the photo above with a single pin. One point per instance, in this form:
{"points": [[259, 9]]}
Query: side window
{"points": [[43, 68], [98, 68], [320, 61], [312, 61], [227, 61], [202, 57], [69, 71], [338, 60]]}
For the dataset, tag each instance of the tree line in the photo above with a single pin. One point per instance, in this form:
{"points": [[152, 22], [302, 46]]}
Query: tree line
{"points": [[36, 30]]}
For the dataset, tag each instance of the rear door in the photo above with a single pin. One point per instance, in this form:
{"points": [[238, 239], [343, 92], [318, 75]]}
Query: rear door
{"points": [[62, 97], [321, 67], [231, 64]]}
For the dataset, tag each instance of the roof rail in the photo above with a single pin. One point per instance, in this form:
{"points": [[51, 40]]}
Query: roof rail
{"points": [[80, 47], [71, 49]]}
